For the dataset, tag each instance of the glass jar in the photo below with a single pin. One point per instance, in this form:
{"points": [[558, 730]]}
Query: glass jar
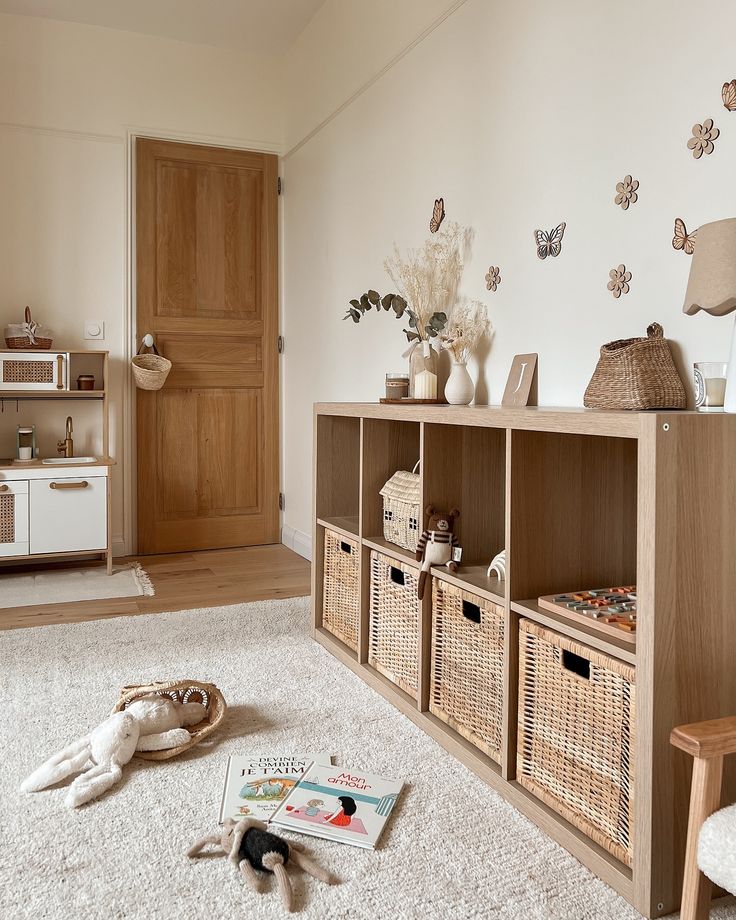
{"points": [[397, 386]]}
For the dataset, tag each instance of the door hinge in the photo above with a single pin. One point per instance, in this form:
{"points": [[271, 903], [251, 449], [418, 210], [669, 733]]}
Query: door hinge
{"points": [[280, 186], [280, 344], [282, 501]]}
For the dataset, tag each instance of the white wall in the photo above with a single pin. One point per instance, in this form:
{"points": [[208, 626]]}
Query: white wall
{"points": [[521, 115], [70, 95]]}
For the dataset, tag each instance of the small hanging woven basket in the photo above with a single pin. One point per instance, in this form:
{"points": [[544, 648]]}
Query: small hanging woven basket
{"points": [[182, 691], [28, 336], [150, 370], [636, 374]]}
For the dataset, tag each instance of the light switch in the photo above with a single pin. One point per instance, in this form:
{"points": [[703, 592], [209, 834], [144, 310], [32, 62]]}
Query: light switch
{"points": [[94, 329]]}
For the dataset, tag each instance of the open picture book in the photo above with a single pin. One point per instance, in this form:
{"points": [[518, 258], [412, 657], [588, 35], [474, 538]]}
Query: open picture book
{"points": [[338, 804]]}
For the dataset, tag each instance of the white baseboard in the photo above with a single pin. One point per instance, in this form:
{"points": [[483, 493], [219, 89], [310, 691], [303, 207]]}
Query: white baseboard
{"points": [[118, 545], [300, 542]]}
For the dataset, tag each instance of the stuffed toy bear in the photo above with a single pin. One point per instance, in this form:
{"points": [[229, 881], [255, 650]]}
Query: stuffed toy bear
{"points": [[436, 543], [150, 723]]}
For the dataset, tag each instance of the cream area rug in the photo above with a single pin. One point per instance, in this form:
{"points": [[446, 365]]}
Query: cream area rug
{"points": [[58, 586], [453, 848]]}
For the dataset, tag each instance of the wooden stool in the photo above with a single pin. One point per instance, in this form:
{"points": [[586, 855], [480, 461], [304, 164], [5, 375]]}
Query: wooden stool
{"points": [[708, 743]]}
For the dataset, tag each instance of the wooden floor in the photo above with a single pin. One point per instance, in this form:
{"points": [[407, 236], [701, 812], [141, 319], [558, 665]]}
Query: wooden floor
{"points": [[182, 581]]}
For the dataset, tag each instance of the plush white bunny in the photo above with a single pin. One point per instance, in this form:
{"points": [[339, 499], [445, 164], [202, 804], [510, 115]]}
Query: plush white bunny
{"points": [[150, 723]]}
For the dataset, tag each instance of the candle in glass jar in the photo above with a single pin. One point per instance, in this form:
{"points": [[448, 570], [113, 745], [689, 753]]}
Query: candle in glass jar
{"points": [[425, 385]]}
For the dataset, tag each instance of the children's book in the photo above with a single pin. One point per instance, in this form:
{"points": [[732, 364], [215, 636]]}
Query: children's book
{"points": [[339, 804], [255, 786]]}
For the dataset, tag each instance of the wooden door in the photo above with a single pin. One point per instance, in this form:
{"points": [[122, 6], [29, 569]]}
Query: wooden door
{"points": [[206, 258]]}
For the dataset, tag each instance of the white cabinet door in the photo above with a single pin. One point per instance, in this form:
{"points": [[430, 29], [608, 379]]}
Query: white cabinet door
{"points": [[13, 519], [68, 514]]}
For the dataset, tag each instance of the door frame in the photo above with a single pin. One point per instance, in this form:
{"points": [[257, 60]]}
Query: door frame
{"points": [[129, 447]]}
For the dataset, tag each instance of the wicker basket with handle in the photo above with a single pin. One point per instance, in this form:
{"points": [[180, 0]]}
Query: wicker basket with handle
{"points": [[636, 374], [184, 691], [150, 370], [341, 588], [393, 643], [575, 747], [28, 336], [466, 684]]}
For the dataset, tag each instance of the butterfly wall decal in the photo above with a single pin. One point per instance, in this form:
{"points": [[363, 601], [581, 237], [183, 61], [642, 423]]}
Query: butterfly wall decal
{"points": [[728, 94], [438, 215], [549, 244], [682, 239]]}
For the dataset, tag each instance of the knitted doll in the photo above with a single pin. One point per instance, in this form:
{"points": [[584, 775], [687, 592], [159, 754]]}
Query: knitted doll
{"points": [[436, 543]]}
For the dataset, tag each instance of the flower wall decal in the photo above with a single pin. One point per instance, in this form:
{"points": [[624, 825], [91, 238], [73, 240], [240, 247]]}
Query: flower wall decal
{"points": [[619, 283], [493, 278], [728, 94], [702, 140], [626, 192]]}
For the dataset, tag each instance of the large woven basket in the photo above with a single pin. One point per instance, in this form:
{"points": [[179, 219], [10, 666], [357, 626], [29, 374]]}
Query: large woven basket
{"points": [[150, 370], [28, 336], [341, 588], [575, 742], [401, 509], [393, 644], [636, 374], [184, 691], [467, 666]]}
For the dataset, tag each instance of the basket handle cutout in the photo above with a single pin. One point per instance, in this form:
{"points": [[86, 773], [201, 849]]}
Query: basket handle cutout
{"points": [[471, 611], [346, 547], [576, 663], [397, 576]]}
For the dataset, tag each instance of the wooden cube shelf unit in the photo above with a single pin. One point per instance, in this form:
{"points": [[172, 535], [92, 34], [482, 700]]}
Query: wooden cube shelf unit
{"points": [[581, 499]]}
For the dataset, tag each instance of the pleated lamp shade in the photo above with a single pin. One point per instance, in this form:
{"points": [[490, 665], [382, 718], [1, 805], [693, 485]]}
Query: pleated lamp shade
{"points": [[712, 283]]}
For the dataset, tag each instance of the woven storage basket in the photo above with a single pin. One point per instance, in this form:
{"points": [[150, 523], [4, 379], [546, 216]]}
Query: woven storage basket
{"points": [[636, 374], [466, 686], [185, 691], [28, 336], [575, 743], [151, 370], [393, 645], [341, 588], [401, 509]]}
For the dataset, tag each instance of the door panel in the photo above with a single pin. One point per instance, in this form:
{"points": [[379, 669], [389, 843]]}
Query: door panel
{"points": [[206, 265]]}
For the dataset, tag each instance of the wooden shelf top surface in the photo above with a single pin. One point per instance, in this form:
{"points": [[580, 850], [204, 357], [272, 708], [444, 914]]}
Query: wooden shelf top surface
{"points": [[58, 468], [52, 394], [565, 420]]}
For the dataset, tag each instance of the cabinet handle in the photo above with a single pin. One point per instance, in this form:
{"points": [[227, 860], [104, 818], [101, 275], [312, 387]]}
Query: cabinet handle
{"points": [[4, 488], [59, 372], [69, 485]]}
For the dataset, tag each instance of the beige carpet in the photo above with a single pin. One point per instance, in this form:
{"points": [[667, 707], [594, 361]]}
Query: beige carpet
{"points": [[59, 586], [453, 849]]}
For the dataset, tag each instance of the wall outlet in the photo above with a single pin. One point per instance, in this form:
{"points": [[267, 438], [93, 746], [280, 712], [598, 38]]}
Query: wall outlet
{"points": [[94, 329]]}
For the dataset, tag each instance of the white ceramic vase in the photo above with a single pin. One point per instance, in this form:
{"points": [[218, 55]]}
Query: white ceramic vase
{"points": [[459, 389]]}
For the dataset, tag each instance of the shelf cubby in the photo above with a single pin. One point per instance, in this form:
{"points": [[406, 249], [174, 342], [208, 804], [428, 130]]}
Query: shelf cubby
{"points": [[579, 499]]}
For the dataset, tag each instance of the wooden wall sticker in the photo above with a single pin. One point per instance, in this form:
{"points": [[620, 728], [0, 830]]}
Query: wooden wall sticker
{"points": [[728, 94], [626, 192], [493, 278], [703, 137], [619, 283], [438, 215], [682, 239], [519, 382], [549, 244]]}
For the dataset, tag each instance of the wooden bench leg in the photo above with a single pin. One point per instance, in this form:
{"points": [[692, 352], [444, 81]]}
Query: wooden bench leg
{"points": [[705, 798]]}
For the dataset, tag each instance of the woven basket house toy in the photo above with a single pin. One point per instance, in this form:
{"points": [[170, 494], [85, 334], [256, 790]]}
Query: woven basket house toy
{"points": [[182, 691], [401, 509], [28, 336]]}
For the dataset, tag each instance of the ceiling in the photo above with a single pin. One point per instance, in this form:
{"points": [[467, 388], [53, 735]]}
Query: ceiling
{"points": [[264, 26]]}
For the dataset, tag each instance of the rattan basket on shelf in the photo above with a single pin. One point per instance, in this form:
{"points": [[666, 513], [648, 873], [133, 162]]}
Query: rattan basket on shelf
{"points": [[185, 691], [576, 735], [28, 336], [341, 588], [466, 684], [393, 642], [636, 373]]}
